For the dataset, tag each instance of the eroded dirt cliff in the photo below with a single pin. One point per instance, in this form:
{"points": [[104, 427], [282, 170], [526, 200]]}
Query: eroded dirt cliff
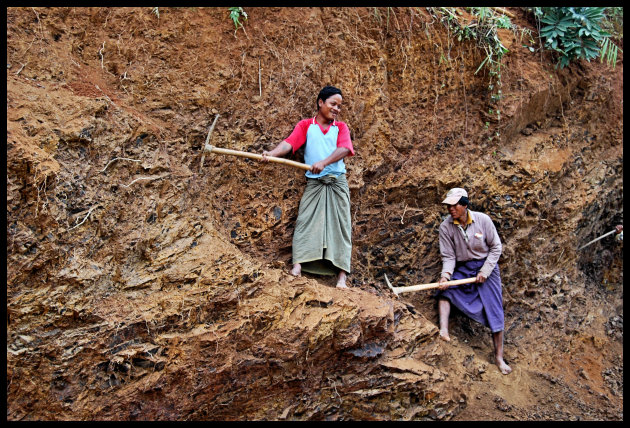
{"points": [[144, 285]]}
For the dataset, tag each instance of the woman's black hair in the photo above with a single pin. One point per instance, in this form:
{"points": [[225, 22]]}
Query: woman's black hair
{"points": [[464, 201], [327, 92]]}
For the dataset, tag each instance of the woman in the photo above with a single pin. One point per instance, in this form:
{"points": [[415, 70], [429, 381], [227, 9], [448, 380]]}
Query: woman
{"points": [[322, 241]]}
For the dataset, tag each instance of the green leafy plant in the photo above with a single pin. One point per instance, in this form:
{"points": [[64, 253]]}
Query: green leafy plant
{"points": [[236, 13], [609, 51], [576, 33], [613, 24], [483, 30], [488, 23]]}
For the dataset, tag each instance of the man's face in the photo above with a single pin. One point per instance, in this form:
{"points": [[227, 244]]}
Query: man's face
{"points": [[457, 211]]}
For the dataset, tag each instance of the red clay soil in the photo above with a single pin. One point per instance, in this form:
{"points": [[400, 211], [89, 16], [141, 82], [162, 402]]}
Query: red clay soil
{"points": [[143, 285]]}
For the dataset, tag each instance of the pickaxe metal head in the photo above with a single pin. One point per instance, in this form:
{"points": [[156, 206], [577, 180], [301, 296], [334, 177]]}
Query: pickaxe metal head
{"points": [[207, 147], [390, 285]]}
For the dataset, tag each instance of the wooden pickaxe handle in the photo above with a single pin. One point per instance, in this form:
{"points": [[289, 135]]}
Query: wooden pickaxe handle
{"points": [[429, 286], [597, 239], [212, 149]]}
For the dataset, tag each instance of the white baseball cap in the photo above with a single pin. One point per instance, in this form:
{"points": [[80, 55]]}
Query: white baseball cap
{"points": [[453, 196]]}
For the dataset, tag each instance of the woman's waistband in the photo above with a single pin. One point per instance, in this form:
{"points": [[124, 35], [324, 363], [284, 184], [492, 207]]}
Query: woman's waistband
{"points": [[329, 178]]}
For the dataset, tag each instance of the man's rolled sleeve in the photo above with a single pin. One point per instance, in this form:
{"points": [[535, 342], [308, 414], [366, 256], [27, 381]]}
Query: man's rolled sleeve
{"points": [[447, 251], [494, 249]]}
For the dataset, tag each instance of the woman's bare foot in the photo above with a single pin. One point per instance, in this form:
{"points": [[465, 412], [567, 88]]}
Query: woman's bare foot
{"points": [[341, 280], [444, 336], [297, 270], [505, 369]]}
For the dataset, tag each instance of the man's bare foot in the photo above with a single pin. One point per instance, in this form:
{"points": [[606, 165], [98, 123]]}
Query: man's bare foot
{"points": [[444, 336], [505, 369], [297, 270]]}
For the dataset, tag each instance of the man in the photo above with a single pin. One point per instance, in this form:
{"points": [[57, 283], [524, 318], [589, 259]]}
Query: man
{"points": [[619, 230], [470, 247]]}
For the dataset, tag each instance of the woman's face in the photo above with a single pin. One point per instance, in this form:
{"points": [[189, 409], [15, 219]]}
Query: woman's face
{"points": [[330, 108]]}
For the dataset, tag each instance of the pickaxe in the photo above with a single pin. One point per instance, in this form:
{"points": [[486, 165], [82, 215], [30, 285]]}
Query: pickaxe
{"points": [[597, 239], [211, 149], [208, 148], [429, 286]]}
